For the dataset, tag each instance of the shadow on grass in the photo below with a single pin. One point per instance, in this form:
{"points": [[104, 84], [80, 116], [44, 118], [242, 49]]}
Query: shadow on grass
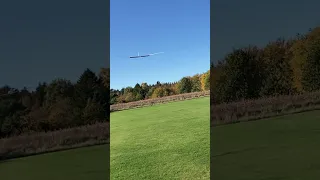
{"points": [[238, 151], [4, 159]]}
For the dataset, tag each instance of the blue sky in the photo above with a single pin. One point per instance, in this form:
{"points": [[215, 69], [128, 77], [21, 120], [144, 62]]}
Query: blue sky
{"points": [[238, 23], [179, 28], [44, 40]]}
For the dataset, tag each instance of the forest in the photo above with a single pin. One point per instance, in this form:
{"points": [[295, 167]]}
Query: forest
{"points": [[62, 104], [143, 91], [282, 67], [56, 105]]}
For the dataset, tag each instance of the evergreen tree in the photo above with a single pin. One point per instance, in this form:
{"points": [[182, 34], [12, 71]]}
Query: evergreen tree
{"points": [[185, 85]]}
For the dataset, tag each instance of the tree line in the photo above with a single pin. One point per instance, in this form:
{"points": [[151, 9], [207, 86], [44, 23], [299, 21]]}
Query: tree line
{"points": [[282, 67], [57, 105], [196, 83]]}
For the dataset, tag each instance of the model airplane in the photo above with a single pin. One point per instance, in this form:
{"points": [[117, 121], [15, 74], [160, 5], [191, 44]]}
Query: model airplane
{"points": [[145, 55]]}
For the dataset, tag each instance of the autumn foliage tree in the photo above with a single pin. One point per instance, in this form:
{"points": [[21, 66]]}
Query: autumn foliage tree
{"points": [[278, 78], [301, 47], [311, 69], [205, 81], [196, 83]]}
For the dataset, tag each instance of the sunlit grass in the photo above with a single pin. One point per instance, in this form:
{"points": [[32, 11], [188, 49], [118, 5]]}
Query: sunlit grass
{"points": [[167, 141]]}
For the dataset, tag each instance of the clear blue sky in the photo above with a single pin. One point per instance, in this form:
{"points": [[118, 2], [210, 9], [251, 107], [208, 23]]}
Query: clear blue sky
{"points": [[43, 40], [236, 23], [179, 28]]}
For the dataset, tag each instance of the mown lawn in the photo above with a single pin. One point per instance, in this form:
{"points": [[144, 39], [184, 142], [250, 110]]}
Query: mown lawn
{"points": [[77, 164], [167, 141], [286, 147]]}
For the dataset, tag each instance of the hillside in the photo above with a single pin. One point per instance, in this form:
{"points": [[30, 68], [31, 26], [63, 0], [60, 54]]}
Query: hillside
{"points": [[77, 164], [144, 91], [283, 147], [165, 140], [150, 102]]}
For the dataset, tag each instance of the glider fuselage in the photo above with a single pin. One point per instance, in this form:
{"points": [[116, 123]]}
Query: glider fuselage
{"points": [[139, 56]]}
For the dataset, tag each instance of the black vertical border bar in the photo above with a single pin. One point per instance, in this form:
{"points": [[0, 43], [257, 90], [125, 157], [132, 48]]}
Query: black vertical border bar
{"points": [[108, 66], [211, 97]]}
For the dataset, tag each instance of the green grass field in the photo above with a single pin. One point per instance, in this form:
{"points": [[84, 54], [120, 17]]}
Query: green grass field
{"points": [[286, 147], [171, 141], [166, 141], [77, 164]]}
